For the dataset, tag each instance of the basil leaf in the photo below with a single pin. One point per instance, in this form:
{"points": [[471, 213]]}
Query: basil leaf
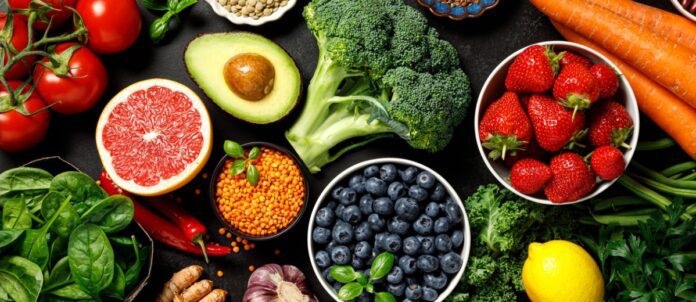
{"points": [[370, 288], [384, 297], [362, 279], [381, 266], [233, 149], [112, 214], [72, 292], [183, 4], [7, 237], [15, 215], [254, 153], [20, 279], [91, 259], [117, 288], [67, 219], [154, 5], [343, 274], [238, 167], [158, 29], [252, 175], [350, 291], [23, 181], [84, 191]]}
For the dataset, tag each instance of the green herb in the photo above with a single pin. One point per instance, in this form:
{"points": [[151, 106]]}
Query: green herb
{"points": [[160, 27], [355, 283], [241, 162]]}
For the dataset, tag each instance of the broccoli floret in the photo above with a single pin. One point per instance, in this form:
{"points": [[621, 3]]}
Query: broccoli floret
{"points": [[382, 71]]}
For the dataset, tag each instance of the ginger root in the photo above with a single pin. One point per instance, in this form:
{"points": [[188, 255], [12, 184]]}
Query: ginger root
{"points": [[179, 281], [217, 295]]}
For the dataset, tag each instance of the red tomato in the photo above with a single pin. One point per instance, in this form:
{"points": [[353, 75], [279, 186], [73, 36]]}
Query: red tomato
{"points": [[58, 16], [113, 25], [21, 132], [19, 40], [80, 90]]}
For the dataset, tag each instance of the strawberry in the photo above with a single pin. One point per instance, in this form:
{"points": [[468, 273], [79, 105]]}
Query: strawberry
{"points": [[532, 151], [533, 70], [607, 162], [529, 176], [505, 127], [576, 88], [609, 124], [571, 57], [524, 100], [553, 124], [572, 178], [607, 80]]}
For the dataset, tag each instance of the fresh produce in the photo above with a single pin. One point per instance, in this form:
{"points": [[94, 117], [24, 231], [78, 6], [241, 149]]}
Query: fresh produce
{"points": [[576, 87], [182, 287], [270, 205], [26, 125], [401, 210], [63, 238], [18, 38], [606, 78], [55, 12], [254, 10], [75, 81], [554, 125], [572, 178], [570, 57], [505, 127], [381, 71], [273, 282], [270, 89], [607, 162], [217, 295], [573, 277], [154, 156], [609, 124], [358, 285], [113, 26], [171, 8], [242, 161], [534, 70], [530, 176]]}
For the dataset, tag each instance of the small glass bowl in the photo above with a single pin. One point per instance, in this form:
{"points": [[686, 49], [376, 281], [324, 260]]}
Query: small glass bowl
{"points": [[458, 12]]}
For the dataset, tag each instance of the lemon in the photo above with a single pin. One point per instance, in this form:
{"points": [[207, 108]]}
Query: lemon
{"points": [[561, 271]]}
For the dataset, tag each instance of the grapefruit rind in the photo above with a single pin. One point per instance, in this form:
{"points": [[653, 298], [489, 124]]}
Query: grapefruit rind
{"points": [[165, 185]]}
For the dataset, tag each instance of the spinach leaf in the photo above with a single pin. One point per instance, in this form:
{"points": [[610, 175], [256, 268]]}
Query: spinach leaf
{"points": [[59, 249], [7, 237], [84, 190], [15, 215], [59, 276], [112, 214], [23, 181], [35, 244], [20, 279], [91, 259], [133, 272], [122, 241], [67, 219], [72, 292], [117, 288]]}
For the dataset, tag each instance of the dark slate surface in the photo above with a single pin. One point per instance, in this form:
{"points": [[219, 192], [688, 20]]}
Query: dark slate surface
{"points": [[481, 43]]}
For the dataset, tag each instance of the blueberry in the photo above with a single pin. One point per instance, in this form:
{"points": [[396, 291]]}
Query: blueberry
{"points": [[411, 281], [392, 243], [396, 289], [414, 292], [364, 297], [331, 205], [407, 208], [398, 226], [443, 243], [439, 193], [337, 286], [363, 249], [348, 196], [322, 259], [411, 246], [408, 264], [441, 225], [379, 243], [427, 263], [325, 217], [357, 183], [417, 193], [339, 210], [432, 209], [383, 206], [427, 244], [436, 281], [336, 193], [321, 235], [376, 186], [453, 212], [363, 231], [327, 276], [341, 255], [342, 232], [423, 225], [376, 222], [371, 171], [425, 180], [329, 247], [366, 204], [395, 276], [451, 263], [388, 172], [357, 262], [429, 294], [396, 190], [351, 214], [409, 175], [457, 238]]}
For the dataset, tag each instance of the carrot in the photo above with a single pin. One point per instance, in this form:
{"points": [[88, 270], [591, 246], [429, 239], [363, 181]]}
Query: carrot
{"points": [[671, 26], [670, 64], [670, 113]]}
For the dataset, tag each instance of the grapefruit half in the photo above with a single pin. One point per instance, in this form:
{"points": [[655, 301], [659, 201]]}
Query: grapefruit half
{"points": [[154, 137]]}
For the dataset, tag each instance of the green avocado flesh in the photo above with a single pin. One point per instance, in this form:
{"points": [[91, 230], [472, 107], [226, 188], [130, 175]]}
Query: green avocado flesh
{"points": [[206, 57]]}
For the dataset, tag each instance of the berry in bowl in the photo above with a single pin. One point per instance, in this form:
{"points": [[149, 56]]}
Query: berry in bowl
{"points": [[556, 123], [458, 9], [389, 227]]}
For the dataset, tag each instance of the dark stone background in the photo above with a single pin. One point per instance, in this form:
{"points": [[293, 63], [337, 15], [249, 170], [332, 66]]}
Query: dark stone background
{"points": [[482, 44]]}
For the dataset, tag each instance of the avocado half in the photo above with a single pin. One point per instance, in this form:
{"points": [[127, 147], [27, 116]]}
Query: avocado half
{"points": [[208, 59]]}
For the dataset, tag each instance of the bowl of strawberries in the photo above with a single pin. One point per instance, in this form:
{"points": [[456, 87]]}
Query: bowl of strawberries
{"points": [[556, 123]]}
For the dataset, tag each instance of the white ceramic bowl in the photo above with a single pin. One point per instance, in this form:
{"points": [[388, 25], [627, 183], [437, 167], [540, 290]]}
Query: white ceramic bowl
{"points": [[343, 177], [223, 12], [683, 10], [495, 87]]}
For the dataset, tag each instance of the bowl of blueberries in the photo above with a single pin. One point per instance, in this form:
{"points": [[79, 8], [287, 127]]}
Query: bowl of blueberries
{"points": [[397, 206]]}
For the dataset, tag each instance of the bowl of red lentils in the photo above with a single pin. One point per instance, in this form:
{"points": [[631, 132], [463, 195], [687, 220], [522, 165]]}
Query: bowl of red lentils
{"points": [[270, 207]]}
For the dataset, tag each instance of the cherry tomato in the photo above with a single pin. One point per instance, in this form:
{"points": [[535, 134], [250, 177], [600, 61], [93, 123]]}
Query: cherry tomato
{"points": [[59, 15], [21, 132], [113, 25], [19, 40], [80, 89]]}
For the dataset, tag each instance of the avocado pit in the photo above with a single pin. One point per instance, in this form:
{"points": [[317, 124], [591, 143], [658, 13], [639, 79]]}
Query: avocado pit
{"points": [[250, 76]]}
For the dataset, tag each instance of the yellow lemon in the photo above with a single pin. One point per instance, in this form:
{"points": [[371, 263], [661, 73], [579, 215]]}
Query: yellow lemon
{"points": [[561, 271]]}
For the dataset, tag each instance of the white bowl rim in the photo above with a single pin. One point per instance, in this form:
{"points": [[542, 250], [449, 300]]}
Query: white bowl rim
{"points": [[683, 10], [466, 246], [624, 85], [223, 12]]}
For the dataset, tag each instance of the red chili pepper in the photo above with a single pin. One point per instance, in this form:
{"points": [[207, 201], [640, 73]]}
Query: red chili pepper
{"points": [[193, 229], [161, 229]]}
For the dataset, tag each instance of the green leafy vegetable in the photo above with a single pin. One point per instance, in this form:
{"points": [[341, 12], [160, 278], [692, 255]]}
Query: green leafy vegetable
{"points": [[15, 215], [7, 237], [91, 259], [242, 162], [343, 274], [67, 219], [27, 182], [71, 292], [59, 276], [84, 191], [20, 278], [34, 246], [384, 297], [350, 291], [380, 267], [159, 28], [112, 214], [117, 288]]}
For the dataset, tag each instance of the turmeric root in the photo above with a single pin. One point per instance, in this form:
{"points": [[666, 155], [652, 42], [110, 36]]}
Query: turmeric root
{"points": [[217, 295], [179, 281], [197, 291]]}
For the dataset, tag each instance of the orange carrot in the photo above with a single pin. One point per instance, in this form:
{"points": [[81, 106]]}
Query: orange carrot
{"points": [[670, 64], [671, 26], [670, 113]]}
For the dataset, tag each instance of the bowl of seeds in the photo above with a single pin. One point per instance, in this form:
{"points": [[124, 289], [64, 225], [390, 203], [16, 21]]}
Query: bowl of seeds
{"points": [[251, 12], [458, 9]]}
